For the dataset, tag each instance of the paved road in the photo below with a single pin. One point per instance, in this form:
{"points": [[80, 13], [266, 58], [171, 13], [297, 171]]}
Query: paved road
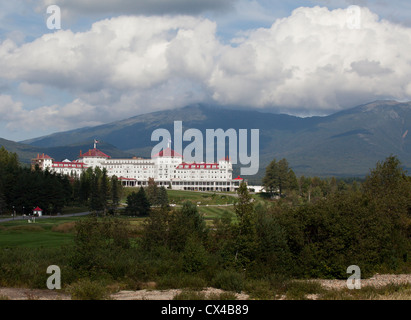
{"points": [[45, 217]]}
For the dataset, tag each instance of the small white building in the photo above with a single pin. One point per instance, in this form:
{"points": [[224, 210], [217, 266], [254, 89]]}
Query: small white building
{"points": [[37, 212]]}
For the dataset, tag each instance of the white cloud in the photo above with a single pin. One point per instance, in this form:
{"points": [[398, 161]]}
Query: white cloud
{"points": [[312, 60], [9, 109], [309, 62], [31, 89]]}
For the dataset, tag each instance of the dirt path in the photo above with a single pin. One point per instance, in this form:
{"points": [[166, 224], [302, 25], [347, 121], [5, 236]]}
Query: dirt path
{"points": [[37, 294], [378, 280]]}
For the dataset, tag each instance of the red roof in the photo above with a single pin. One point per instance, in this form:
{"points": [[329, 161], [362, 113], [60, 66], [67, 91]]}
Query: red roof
{"points": [[238, 178], [168, 153], [94, 153], [128, 179], [42, 156], [38, 209]]}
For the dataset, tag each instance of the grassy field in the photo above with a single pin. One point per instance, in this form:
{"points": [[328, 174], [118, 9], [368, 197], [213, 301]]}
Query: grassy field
{"points": [[203, 198], [51, 232], [55, 232]]}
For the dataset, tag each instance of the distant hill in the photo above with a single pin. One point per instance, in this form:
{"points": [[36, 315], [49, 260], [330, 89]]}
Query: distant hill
{"points": [[347, 143], [27, 152]]}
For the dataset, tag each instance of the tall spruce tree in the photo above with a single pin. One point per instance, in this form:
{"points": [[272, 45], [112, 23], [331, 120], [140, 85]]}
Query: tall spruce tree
{"points": [[246, 242], [138, 204], [279, 177]]}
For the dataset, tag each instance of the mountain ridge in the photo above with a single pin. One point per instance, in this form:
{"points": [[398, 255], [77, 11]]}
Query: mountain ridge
{"points": [[346, 143]]}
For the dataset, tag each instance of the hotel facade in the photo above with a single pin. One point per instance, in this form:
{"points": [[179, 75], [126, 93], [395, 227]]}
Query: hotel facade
{"points": [[167, 168]]}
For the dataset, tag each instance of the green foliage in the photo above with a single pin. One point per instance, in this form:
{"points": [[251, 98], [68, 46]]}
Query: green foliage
{"points": [[194, 256], [229, 281], [96, 241], [85, 289], [246, 241], [115, 191], [298, 290], [138, 204], [185, 222], [279, 177], [325, 228], [156, 229], [273, 252], [22, 189]]}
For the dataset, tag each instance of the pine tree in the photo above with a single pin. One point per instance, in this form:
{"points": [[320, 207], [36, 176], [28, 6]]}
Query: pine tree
{"points": [[104, 190], [152, 192], [115, 191], [138, 204], [95, 200], [279, 177], [3, 203], [162, 197], [246, 240]]}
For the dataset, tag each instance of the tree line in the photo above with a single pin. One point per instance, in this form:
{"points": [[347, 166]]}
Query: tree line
{"points": [[280, 180], [368, 225], [22, 188], [139, 203]]}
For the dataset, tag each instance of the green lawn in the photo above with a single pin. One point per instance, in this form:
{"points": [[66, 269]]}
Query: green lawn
{"points": [[42, 233], [55, 232], [179, 196], [202, 198], [215, 212]]}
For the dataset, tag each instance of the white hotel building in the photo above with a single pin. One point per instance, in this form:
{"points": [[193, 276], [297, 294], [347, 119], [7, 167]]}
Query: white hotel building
{"points": [[168, 168]]}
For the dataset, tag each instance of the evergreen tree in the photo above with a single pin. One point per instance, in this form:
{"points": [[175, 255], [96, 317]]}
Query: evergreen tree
{"points": [[246, 240], [152, 192], [104, 190], [279, 177], [138, 204], [95, 199], [3, 204], [156, 228], [115, 191], [86, 179], [162, 197], [184, 223]]}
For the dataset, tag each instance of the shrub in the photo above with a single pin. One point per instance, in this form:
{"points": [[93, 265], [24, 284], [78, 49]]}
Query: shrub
{"points": [[194, 256], [298, 290], [189, 295], [86, 289], [64, 227], [222, 296], [229, 281]]}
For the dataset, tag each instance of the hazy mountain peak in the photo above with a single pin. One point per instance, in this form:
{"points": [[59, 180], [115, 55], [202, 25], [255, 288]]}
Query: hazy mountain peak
{"points": [[349, 142]]}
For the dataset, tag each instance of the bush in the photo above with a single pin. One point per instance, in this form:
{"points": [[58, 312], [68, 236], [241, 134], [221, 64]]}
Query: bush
{"points": [[194, 256], [86, 289], [189, 295], [222, 296], [229, 281], [66, 227], [298, 290]]}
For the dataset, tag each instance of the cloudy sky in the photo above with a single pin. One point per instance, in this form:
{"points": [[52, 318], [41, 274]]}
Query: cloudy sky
{"points": [[115, 59]]}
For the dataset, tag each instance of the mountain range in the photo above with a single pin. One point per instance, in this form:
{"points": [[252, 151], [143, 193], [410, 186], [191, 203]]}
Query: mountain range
{"points": [[345, 144]]}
